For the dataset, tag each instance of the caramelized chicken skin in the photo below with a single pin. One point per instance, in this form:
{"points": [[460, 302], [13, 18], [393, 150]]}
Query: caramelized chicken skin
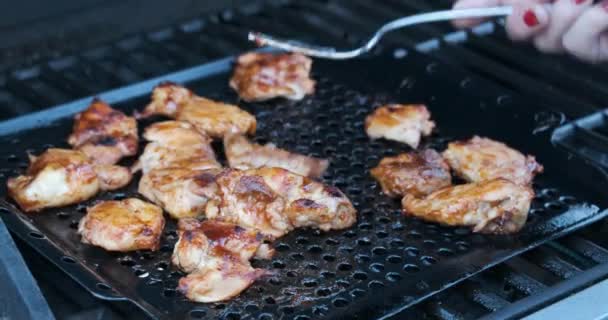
{"points": [[104, 134], [275, 201], [213, 118], [60, 177], [264, 76], [403, 123], [243, 154], [125, 225], [415, 173], [496, 206], [216, 255], [175, 144], [480, 159], [181, 191]]}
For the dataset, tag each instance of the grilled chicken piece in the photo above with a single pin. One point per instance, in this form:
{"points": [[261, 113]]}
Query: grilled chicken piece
{"points": [[403, 123], [275, 201], [181, 191], [104, 134], [61, 177], [175, 144], [414, 173], [214, 118], [125, 225], [264, 76], [216, 256], [242, 154], [480, 159], [496, 206]]}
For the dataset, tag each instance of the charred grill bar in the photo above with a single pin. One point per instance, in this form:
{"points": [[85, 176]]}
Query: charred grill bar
{"points": [[512, 289]]}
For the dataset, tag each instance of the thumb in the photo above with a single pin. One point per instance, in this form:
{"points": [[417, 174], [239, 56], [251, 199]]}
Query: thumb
{"points": [[587, 39], [528, 20]]}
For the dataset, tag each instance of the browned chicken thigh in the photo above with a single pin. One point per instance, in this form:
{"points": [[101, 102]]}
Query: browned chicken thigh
{"points": [[175, 144], [264, 76], [181, 191], [60, 177], [480, 159], [496, 206], [213, 118], [216, 255], [415, 173], [242, 154], [275, 201], [403, 123], [105, 135], [125, 225]]}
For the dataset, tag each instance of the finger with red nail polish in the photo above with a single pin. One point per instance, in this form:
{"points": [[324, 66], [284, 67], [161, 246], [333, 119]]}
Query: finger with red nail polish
{"points": [[587, 38], [563, 15], [528, 20]]}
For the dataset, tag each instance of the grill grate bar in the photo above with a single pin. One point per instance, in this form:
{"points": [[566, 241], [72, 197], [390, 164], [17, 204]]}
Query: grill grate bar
{"points": [[550, 260], [528, 86], [527, 277], [586, 248], [581, 88]]}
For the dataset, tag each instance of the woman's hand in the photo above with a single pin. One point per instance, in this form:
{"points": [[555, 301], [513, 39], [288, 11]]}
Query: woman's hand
{"points": [[574, 26]]}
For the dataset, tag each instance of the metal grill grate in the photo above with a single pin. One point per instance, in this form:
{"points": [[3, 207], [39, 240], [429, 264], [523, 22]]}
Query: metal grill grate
{"points": [[330, 275], [555, 82]]}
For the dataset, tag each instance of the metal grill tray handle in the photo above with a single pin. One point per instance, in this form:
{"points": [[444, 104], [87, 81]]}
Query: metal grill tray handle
{"points": [[387, 261]]}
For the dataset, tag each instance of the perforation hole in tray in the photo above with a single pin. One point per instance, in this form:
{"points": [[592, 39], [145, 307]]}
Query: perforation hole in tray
{"points": [[331, 269]]}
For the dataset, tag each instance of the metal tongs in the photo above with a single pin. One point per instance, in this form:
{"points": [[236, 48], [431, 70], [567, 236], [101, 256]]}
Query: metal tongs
{"points": [[331, 53]]}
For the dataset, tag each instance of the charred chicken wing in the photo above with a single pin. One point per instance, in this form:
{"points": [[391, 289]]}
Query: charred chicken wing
{"points": [[60, 177], [175, 144], [125, 225], [480, 159], [275, 201], [403, 123], [216, 256], [104, 134], [214, 118], [242, 154], [414, 173], [496, 206], [264, 76]]}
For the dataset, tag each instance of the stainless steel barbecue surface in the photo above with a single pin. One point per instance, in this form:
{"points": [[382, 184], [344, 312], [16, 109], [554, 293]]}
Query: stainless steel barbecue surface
{"points": [[567, 89]]}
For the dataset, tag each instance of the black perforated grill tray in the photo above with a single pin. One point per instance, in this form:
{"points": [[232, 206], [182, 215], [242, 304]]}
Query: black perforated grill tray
{"points": [[386, 262]]}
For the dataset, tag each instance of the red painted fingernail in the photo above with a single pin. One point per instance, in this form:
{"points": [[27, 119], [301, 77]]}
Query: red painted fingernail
{"points": [[530, 18], [579, 1]]}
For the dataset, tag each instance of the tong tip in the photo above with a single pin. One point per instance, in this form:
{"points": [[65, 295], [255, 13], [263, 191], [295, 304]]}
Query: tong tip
{"points": [[257, 37]]}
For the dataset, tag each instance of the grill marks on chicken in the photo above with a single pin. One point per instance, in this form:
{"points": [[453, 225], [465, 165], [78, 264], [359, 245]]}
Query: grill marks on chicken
{"points": [[125, 225], [60, 177], [275, 201], [104, 134], [264, 76], [215, 119], [216, 255], [496, 206], [242, 154], [481, 159], [398, 122], [414, 173]]}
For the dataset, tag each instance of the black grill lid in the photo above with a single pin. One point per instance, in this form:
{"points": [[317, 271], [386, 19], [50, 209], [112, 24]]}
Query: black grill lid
{"points": [[386, 262]]}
